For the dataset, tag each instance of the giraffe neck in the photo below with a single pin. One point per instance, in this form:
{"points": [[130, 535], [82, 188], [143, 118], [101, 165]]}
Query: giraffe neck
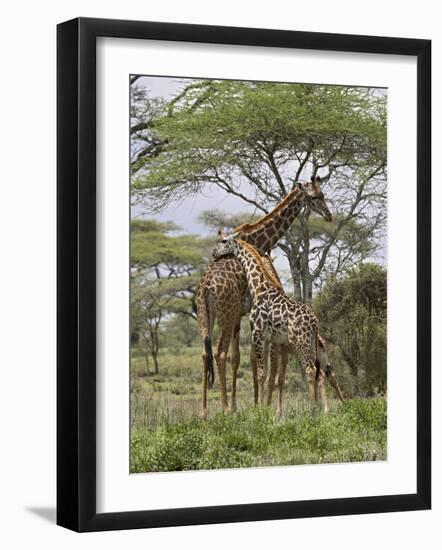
{"points": [[270, 267], [266, 232], [259, 278]]}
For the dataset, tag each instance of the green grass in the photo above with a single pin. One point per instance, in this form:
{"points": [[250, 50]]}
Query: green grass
{"points": [[167, 435], [353, 431]]}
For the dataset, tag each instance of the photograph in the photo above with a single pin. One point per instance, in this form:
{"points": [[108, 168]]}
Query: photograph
{"points": [[226, 339], [258, 273]]}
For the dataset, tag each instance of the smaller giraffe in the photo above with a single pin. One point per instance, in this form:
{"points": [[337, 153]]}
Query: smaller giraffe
{"points": [[275, 318], [279, 359]]}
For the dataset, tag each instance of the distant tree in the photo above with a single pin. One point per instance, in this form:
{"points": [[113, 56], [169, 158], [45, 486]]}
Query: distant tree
{"points": [[353, 314], [215, 219], [180, 331], [159, 248], [253, 140], [165, 270], [146, 315]]}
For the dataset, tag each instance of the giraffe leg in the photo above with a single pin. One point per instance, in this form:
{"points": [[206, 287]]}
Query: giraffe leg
{"points": [[254, 373], [262, 374], [320, 392], [312, 373], [330, 374], [274, 360], [221, 359], [309, 374], [203, 405], [235, 365], [207, 371], [260, 354], [315, 383], [205, 320], [329, 371], [281, 378]]}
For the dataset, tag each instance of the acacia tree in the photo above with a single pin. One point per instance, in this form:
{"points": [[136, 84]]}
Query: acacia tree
{"points": [[164, 272], [255, 140], [144, 110]]}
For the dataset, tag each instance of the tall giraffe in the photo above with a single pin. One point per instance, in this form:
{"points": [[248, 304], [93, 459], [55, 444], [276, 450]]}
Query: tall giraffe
{"points": [[222, 292], [275, 318]]}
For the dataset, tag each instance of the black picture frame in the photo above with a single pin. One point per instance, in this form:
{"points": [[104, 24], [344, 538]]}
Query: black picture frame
{"points": [[77, 286]]}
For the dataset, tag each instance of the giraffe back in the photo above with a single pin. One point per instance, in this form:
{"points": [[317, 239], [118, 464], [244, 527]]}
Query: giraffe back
{"points": [[223, 287]]}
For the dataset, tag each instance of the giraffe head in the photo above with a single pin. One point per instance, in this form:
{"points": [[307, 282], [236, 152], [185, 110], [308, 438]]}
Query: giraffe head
{"points": [[221, 234], [315, 199], [226, 245], [221, 240]]}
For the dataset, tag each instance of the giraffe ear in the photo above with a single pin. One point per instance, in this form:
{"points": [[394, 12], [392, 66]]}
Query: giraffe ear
{"points": [[316, 185], [221, 234]]}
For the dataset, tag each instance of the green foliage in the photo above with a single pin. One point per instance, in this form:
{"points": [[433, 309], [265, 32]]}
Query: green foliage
{"points": [[144, 110], [236, 123], [166, 434], [353, 315], [153, 245], [364, 286], [354, 431], [216, 219], [180, 332]]}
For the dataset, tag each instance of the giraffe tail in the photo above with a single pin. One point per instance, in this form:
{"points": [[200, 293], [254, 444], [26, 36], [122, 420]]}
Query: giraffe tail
{"points": [[205, 324], [317, 360], [209, 361]]}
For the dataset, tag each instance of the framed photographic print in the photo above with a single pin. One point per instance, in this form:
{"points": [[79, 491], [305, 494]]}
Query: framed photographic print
{"points": [[243, 274]]}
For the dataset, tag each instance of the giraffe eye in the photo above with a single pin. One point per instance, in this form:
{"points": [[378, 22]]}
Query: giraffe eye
{"points": [[318, 197]]}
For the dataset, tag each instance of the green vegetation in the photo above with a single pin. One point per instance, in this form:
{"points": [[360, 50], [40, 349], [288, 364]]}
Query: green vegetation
{"points": [[164, 275], [352, 310], [352, 431], [167, 434]]}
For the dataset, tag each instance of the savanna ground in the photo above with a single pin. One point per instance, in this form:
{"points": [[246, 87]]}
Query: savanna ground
{"points": [[167, 434]]}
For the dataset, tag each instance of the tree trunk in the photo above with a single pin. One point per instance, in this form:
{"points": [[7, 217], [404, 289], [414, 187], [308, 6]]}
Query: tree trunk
{"points": [[292, 258], [307, 289], [297, 291], [155, 348], [155, 361]]}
